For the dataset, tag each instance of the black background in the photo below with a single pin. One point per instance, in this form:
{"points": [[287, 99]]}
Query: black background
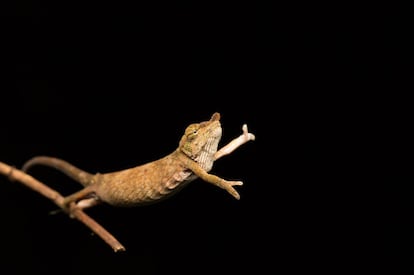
{"points": [[108, 86]]}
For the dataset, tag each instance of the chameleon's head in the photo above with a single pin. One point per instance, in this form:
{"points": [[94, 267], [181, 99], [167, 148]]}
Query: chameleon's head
{"points": [[200, 140]]}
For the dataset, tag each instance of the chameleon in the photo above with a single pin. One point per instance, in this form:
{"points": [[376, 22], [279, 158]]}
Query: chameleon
{"points": [[155, 180]]}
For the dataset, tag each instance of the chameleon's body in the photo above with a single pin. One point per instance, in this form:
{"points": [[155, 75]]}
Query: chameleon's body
{"points": [[153, 181]]}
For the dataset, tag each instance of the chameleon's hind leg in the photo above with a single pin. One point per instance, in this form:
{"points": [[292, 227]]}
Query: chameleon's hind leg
{"points": [[87, 203], [82, 204], [84, 198]]}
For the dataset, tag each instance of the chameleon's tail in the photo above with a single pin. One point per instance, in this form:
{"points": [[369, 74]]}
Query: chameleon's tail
{"points": [[70, 170]]}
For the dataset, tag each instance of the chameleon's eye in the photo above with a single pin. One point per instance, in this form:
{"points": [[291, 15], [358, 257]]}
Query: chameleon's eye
{"points": [[193, 134], [192, 131]]}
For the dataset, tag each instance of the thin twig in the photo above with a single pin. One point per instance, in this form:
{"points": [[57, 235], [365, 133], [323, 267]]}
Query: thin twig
{"points": [[75, 212], [232, 145]]}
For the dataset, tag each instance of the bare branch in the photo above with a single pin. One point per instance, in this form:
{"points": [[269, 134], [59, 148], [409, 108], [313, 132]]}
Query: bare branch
{"points": [[74, 211], [235, 143]]}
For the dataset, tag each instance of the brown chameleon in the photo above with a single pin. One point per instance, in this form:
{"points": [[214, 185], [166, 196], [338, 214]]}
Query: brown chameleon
{"points": [[156, 180]]}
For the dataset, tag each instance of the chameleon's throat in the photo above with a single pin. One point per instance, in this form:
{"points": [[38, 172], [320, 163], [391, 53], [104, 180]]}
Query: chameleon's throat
{"points": [[206, 157]]}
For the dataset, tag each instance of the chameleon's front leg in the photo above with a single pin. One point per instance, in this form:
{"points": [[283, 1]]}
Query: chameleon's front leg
{"points": [[222, 183], [235, 143], [227, 149]]}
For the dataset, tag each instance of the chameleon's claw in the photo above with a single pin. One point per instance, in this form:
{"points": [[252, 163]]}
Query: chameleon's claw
{"points": [[233, 183], [231, 190], [236, 195]]}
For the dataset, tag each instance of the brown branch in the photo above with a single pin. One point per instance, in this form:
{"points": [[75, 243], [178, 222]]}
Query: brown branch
{"points": [[74, 212]]}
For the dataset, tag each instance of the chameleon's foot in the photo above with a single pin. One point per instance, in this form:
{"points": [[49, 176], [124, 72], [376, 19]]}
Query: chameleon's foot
{"points": [[87, 203], [228, 185], [80, 199], [68, 203], [69, 206]]}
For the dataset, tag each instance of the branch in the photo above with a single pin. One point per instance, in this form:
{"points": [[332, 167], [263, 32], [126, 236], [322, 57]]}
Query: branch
{"points": [[232, 145], [74, 211]]}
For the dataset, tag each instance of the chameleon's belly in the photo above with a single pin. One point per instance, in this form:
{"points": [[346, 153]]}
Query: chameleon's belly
{"points": [[140, 187]]}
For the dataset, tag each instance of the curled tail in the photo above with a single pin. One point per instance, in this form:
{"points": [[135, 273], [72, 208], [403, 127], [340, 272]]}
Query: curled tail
{"points": [[65, 167]]}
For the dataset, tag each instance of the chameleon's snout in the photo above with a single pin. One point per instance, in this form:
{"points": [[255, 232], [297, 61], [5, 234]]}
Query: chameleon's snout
{"points": [[215, 117]]}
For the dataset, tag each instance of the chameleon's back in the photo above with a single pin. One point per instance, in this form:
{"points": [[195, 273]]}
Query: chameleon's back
{"points": [[144, 184]]}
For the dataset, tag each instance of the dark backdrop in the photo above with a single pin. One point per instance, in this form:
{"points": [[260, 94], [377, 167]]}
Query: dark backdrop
{"points": [[108, 86]]}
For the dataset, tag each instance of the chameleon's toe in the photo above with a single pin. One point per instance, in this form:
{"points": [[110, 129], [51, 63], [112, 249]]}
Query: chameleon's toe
{"points": [[231, 189], [236, 195]]}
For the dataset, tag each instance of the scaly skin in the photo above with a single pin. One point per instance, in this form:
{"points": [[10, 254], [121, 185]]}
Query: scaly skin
{"points": [[153, 181]]}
